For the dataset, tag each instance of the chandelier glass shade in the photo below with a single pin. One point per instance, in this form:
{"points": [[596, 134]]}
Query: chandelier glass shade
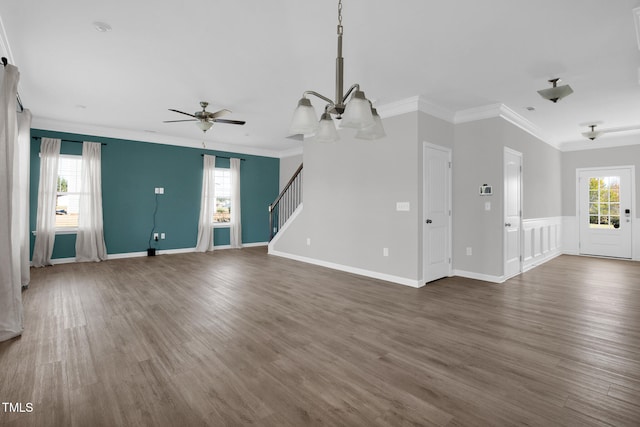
{"points": [[357, 112], [304, 120], [372, 132], [327, 131], [352, 107]]}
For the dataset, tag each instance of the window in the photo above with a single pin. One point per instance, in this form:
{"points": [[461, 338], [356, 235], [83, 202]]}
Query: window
{"points": [[68, 192], [604, 202], [222, 212]]}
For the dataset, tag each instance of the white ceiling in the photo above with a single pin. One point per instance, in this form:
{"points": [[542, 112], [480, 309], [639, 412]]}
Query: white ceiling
{"points": [[257, 57]]}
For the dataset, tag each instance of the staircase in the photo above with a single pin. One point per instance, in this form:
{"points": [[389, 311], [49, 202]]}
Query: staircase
{"points": [[286, 203]]}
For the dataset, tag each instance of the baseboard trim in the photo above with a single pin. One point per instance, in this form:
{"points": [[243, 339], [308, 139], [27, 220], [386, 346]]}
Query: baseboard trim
{"points": [[541, 261], [348, 269], [479, 276], [286, 225], [57, 261], [159, 252]]}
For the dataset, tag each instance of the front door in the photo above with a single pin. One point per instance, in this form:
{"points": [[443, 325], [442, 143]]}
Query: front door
{"points": [[436, 234], [605, 212]]}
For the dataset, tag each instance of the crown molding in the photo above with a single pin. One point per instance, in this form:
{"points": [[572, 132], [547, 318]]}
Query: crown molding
{"points": [[397, 108], [434, 110], [477, 113], [296, 151], [517, 120], [414, 104], [506, 113], [142, 136], [418, 103], [623, 139]]}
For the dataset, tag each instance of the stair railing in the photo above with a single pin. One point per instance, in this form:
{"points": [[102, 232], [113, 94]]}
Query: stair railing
{"points": [[286, 203]]}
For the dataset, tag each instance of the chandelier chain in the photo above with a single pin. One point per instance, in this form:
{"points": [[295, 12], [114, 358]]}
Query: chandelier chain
{"points": [[340, 17]]}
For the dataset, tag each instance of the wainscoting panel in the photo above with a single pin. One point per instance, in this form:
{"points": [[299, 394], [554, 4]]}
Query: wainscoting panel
{"points": [[542, 239]]}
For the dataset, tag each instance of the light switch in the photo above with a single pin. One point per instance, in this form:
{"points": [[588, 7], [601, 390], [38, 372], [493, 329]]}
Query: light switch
{"points": [[403, 206]]}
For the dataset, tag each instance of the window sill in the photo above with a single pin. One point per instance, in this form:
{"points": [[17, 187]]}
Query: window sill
{"points": [[61, 231], [221, 225]]}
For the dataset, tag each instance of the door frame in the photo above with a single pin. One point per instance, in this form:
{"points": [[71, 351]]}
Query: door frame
{"points": [[449, 151], [504, 212], [632, 170]]}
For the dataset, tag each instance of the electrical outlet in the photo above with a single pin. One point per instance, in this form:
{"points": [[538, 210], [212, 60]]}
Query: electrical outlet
{"points": [[155, 236], [385, 251], [487, 206], [469, 251], [162, 236], [161, 190], [308, 241]]}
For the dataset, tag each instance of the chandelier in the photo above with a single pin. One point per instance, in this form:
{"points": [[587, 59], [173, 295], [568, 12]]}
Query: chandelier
{"points": [[352, 108]]}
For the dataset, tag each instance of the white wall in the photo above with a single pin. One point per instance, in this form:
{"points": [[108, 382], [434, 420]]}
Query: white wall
{"points": [[478, 159], [350, 192], [614, 156], [351, 189], [595, 158], [288, 166]]}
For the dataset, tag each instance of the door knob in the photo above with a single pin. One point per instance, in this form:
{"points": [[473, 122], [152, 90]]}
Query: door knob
{"points": [[428, 221], [507, 224]]}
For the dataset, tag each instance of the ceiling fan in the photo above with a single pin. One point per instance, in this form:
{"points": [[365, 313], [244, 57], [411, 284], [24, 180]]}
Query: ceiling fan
{"points": [[205, 119]]}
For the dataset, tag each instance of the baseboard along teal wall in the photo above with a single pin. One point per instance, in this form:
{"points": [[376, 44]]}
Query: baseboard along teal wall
{"points": [[131, 170]]}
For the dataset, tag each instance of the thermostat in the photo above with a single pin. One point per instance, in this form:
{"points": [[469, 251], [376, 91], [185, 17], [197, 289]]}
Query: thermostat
{"points": [[486, 190]]}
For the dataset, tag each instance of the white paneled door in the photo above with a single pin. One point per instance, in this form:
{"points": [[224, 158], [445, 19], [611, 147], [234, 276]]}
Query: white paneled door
{"points": [[437, 212], [605, 212], [512, 212]]}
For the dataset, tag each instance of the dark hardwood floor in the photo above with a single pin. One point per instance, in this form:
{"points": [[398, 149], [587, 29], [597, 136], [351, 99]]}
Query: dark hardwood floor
{"points": [[237, 337]]}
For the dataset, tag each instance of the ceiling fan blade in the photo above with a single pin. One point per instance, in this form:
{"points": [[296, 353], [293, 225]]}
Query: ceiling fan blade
{"points": [[181, 112], [231, 122], [219, 113], [175, 121]]}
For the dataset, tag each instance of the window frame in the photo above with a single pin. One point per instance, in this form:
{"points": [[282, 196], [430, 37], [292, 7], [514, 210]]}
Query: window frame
{"points": [[68, 230], [215, 199]]}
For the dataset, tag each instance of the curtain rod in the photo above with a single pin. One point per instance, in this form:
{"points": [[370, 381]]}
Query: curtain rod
{"points": [[5, 62], [68, 140], [223, 157]]}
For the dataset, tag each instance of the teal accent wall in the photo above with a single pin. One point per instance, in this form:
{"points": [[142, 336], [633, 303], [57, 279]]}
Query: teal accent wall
{"points": [[130, 172]]}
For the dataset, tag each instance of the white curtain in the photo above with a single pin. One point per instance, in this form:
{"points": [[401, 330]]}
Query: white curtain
{"points": [[24, 162], [90, 238], [10, 282], [47, 196], [207, 205], [236, 223]]}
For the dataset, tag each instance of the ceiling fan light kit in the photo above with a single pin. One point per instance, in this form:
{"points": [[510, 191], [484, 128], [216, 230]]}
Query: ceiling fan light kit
{"points": [[555, 93], [357, 109], [204, 125], [205, 119]]}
